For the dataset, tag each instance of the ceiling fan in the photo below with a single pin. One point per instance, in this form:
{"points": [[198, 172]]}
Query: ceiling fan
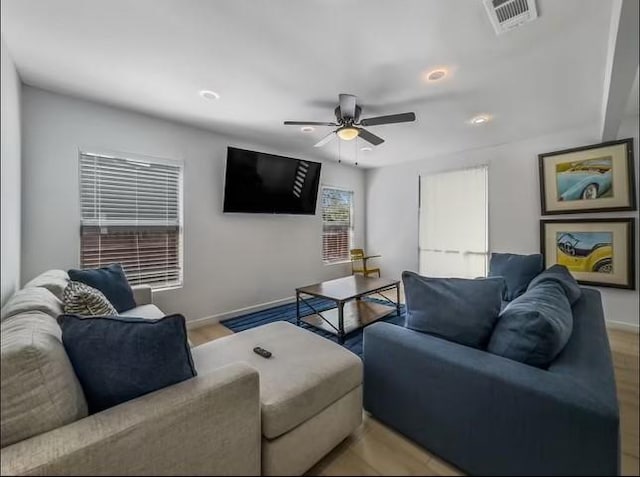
{"points": [[348, 122]]}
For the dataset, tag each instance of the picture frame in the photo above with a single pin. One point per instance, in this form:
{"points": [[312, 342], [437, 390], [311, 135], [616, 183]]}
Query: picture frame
{"points": [[594, 178], [597, 252]]}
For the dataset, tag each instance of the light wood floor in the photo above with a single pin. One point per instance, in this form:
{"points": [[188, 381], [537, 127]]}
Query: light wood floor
{"points": [[374, 449]]}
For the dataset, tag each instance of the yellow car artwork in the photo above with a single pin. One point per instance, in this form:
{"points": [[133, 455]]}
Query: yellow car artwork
{"points": [[585, 251]]}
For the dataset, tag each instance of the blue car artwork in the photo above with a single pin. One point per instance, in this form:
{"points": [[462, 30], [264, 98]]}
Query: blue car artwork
{"points": [[584, 180]]}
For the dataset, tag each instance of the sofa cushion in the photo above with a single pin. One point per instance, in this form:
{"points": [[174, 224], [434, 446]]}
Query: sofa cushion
{"points": [[561, 275], [150, 312], [81, 299], [120, 358], [534, 327], [517, 271], [29, 300], [53, 280], [305, 374], [456, 309], [39, 390], [111, 281]]}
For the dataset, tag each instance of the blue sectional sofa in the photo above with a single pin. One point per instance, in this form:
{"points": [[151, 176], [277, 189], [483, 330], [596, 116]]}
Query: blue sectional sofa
{"points": [[489, 415]]}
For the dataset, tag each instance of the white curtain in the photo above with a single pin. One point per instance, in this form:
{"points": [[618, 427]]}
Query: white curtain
{"points": [[454, 223]]}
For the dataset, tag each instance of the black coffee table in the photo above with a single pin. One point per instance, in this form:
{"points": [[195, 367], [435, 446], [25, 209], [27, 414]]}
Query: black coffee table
{"points": [[351, 312]]}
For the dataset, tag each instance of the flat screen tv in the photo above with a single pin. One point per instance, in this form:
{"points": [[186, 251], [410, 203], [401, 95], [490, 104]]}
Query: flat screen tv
{"points": [[262, 183]]}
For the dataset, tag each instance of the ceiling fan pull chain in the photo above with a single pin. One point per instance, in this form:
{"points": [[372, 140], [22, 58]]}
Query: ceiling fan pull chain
{"points": [[357, 147]]}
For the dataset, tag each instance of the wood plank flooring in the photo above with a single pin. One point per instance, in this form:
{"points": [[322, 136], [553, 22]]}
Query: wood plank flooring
{"points": [[626, 361], [374, 449]]}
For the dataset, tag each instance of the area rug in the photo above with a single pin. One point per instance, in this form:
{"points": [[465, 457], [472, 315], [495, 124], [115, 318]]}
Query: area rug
{"points": [[287, 312]]}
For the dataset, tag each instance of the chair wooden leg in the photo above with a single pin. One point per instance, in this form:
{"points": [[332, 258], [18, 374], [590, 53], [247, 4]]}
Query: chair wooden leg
{"points": [[378, 273]]}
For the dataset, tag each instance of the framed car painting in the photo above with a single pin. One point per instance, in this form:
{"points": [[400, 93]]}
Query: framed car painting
{"points": [[594, 178], [599, 252]]}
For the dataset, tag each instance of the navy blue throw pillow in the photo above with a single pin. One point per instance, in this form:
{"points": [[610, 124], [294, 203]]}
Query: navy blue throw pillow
{"points": [[111, 281], [517, 271], [456, 309], [534, 327], [119, 358], [561, 275]]}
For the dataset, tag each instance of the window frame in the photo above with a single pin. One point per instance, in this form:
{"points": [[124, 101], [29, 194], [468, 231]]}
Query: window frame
{"points": [[140, 158], [351, 224]]}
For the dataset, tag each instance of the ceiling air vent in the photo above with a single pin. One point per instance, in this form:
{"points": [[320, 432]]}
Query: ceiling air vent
{"points": [[506, 15]]}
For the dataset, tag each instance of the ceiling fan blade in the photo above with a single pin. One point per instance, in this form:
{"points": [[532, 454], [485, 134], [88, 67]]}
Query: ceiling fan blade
{"points": [[329, 137], [308, 123], [347, 105], [390, 119], [370, 137]]}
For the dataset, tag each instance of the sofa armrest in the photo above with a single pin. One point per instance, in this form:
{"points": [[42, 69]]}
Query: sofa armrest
{"points": [[142, 294], [485, 413], [207, 425]]}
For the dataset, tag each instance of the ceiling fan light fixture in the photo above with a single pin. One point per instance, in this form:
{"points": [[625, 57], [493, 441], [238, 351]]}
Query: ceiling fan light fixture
{"points": [[366, 149], [307, 129], [347, 133]]}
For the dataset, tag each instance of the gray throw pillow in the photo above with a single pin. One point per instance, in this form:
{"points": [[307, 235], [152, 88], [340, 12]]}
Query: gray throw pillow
{"points": [[535, 327], [81, 299], [456, 309]]}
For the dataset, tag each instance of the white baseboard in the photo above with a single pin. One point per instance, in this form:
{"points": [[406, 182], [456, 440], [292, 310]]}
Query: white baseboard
{"points": [[623, 326], [208, 320]]}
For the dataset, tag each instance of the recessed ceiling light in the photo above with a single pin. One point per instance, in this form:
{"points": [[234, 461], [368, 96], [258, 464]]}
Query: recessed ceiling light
{"points": [[366, 149], [307, 129], [436, 75], [208, 94], [483, 118]]}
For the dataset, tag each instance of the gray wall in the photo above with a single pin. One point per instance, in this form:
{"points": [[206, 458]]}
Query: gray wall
{"points": [[10, 176], [514, 204], [231, 261]]}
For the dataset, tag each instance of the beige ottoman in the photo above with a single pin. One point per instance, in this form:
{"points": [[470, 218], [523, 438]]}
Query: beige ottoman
{"points": [[310, 390]]}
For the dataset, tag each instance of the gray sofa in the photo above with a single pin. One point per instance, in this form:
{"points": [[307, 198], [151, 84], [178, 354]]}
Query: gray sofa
{"points": [[489, 415], [207, 425], [242, 414]]}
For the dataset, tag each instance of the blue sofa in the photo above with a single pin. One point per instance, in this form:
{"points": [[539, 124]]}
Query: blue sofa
{"points": [[489, 415]]}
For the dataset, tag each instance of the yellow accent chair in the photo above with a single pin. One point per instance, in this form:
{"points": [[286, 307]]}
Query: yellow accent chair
{"points": [[358, 255]]}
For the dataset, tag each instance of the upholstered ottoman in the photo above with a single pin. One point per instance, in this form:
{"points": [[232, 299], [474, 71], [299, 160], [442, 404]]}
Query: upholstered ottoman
{"points": [[310, 391]]}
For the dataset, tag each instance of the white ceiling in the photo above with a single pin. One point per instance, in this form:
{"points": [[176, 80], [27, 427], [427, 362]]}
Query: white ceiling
{"points": [[288, 59]]}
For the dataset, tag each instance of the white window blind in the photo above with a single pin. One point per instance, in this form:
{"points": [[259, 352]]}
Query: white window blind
{"points": [[337, 224], [454, 224], [131, 213]]}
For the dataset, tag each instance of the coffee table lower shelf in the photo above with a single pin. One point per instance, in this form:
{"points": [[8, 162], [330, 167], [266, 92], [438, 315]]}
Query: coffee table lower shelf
{"points": [[357, 314]]}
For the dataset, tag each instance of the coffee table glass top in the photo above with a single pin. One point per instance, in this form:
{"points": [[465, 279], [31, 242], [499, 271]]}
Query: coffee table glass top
{"points": [[347, 288]]}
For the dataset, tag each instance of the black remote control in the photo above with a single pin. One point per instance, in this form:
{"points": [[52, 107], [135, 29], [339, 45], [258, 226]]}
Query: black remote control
{"points": [[262, 352]]}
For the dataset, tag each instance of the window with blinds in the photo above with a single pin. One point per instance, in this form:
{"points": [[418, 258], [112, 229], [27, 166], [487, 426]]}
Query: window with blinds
{"points": [[131, 213], [337, 224], [454, 224]]}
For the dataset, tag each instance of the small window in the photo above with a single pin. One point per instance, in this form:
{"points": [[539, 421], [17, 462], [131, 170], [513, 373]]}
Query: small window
{"points": [[454, 224], [337, 224], [131, 213]]}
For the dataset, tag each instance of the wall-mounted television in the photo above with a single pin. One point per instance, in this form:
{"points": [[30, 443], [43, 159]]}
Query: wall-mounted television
{"points": [[262, 183]]}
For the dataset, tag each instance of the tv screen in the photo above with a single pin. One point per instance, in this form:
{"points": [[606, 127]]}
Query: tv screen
{"points": [[267, 184]]}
